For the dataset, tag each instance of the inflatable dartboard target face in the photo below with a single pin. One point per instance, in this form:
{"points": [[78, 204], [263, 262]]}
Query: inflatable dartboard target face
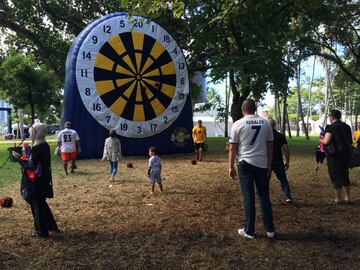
{"points": [[132, 76]]}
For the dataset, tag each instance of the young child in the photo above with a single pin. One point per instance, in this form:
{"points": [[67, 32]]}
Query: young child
{"points": [[112, 152], [154, 171]]}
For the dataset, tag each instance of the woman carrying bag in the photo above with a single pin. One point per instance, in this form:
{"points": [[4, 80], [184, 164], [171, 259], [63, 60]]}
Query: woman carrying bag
{"points": [[36, 183]]}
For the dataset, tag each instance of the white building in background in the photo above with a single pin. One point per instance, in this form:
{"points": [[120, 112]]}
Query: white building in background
{"points": [[215, 128], [314, 126], [4, 117]]}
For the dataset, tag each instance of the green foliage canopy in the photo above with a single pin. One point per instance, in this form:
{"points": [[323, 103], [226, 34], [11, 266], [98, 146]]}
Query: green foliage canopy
{"points": [[27, 85]]}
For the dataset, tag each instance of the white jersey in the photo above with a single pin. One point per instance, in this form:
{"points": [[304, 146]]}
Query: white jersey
{"points": [[68, 137], [251, 133]]}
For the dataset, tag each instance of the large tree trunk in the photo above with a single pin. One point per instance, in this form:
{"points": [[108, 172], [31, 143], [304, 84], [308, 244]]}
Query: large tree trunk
{"points": [[238, 99], [300, 110]]}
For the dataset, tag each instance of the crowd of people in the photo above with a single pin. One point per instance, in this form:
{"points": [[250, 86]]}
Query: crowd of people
{"points": [[256, 150]]}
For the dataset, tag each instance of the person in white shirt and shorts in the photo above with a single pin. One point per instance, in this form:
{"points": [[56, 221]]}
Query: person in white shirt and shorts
{"points": [[69, 144], [252, 143]]}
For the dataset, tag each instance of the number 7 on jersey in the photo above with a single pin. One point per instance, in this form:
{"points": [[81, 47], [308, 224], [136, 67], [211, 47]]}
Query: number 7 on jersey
{"points": [[257, 131]]}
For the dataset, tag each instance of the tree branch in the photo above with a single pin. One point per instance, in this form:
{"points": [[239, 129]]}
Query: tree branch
{"points": [[78, 25], [44, 51]]}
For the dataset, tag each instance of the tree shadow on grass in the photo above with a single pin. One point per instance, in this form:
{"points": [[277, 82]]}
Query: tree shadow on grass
{"points": [[144, 248], [316, 237]]}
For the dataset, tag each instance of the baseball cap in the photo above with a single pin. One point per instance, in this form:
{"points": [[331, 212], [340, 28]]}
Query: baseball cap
{"points": [[67, 124]]}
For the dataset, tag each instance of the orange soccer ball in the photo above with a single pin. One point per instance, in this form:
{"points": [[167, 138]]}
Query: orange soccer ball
{"points": [[193, 162], [129, 165]]}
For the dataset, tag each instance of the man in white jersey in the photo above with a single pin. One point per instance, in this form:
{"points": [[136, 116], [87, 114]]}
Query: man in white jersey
{"points": [[252, 141], [69, 144]]}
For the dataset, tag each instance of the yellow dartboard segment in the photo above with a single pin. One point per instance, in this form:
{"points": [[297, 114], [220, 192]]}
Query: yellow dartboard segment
{"points": [[129, 63], [138, 57], [157, 107], [122, 82], [118, 106], [129, 91], [138, 93], [168, 69], [157, 50], [103, 62], [155, 72], [168, 90], [147, 64], [103, 87], [121, 70], [139, 115], [117, 44]]}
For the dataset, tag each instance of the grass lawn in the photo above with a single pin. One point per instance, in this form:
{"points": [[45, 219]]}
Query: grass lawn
{"points": [[192, 225]]}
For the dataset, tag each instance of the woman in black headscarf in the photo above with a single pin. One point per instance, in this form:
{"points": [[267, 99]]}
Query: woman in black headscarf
{"points": [[39, 163]]}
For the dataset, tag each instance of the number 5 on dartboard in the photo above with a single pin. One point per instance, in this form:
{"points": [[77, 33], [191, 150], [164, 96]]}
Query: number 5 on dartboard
{"points": [[257, 131]]}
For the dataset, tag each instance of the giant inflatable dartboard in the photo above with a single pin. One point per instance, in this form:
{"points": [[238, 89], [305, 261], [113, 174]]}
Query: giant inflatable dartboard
{"points": [[130, 75]]}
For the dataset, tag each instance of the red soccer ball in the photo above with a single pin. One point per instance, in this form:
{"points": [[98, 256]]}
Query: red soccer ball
{"points": [[193, 162], [129, 165], [6, 202]]}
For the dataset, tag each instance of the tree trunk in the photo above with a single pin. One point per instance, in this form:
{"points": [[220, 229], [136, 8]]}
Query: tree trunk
{"points": [[287, 121], [227, 98], [328, 91], [21, 122], [356, 111], [283, 127], [277, 112], [310, 89], [276, 108], [238, 99], [32, 106], [300, 110], [297, 75]]}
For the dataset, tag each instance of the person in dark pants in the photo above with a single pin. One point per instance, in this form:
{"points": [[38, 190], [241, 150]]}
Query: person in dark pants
{"points": [[252, 141], [277, 165], [338, 141], [40, 162]]}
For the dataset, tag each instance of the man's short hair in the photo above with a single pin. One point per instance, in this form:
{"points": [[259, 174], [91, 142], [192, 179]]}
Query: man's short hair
{"points": [[336, 114], [249, 106], [199, 122], [67, 124], [272, 123]]}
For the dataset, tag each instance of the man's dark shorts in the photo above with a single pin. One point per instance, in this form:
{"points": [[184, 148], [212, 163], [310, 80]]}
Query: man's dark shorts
{"points": [[338, 171], [199, 145]]}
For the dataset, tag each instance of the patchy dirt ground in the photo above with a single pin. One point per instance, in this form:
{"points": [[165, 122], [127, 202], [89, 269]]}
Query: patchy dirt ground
{"points": [[192, 225]]}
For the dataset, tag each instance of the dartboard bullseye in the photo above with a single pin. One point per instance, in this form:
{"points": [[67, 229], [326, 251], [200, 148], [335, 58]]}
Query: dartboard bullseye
{"points": [[132, 76]]}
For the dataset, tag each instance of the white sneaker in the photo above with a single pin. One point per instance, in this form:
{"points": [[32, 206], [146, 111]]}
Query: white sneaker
{"points": [[288, 200], [243, 233], [270, 234]]}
